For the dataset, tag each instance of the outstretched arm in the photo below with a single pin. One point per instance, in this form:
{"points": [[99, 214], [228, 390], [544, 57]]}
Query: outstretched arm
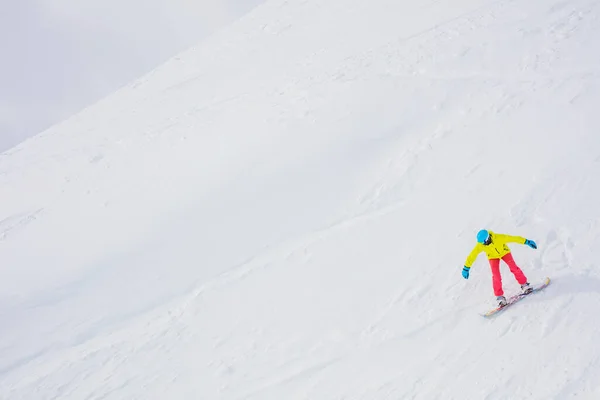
{"points": [[470, 260], [510, 238], [473, 255], [517, 239]]}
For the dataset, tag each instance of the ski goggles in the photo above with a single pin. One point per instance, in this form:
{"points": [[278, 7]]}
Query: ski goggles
{"points": [[488, 241]]}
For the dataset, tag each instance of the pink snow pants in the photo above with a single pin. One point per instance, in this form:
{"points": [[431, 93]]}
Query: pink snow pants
{"points": [[497, 278]]}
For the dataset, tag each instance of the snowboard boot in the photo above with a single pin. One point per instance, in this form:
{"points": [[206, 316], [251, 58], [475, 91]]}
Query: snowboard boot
{"points": [[501, 301], [526, 288]]}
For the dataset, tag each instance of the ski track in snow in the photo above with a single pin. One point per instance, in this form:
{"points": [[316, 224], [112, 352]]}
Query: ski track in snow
{"points": [[282, 212]]}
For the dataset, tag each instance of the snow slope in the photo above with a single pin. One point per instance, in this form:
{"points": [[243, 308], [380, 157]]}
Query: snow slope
{"points": [[283, 213], [60, 55]]}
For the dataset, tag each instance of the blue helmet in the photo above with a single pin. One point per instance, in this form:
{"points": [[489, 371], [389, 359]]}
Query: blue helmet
{"points": [[482, 236]]}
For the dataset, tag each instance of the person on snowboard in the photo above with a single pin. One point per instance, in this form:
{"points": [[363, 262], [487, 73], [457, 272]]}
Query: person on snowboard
{"points": [[495, 247]]}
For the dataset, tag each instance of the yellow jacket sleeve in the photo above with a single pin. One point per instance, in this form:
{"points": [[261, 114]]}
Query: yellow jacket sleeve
{"points": [[509, 238], [473, 255]]}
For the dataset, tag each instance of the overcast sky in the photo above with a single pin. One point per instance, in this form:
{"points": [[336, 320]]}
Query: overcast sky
{"points": [[58, 56]]}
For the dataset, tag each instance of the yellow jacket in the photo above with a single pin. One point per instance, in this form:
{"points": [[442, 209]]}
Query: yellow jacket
{"points": [[496, 249]]}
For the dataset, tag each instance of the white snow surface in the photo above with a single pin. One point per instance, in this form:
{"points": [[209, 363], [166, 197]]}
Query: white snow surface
{"points": [[283, 212]]}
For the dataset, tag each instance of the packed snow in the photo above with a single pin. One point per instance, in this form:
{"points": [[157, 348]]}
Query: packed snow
{"points": [[283, 212]]}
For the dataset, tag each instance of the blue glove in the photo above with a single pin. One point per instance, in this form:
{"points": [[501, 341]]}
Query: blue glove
{"points": [[531, 243], [465, 272]]}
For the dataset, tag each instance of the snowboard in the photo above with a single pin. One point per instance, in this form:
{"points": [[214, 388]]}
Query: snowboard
{"points": [[518, 297]]}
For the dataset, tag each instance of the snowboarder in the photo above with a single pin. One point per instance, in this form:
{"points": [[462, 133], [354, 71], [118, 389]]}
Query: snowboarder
{"points": [[495, 247]]}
